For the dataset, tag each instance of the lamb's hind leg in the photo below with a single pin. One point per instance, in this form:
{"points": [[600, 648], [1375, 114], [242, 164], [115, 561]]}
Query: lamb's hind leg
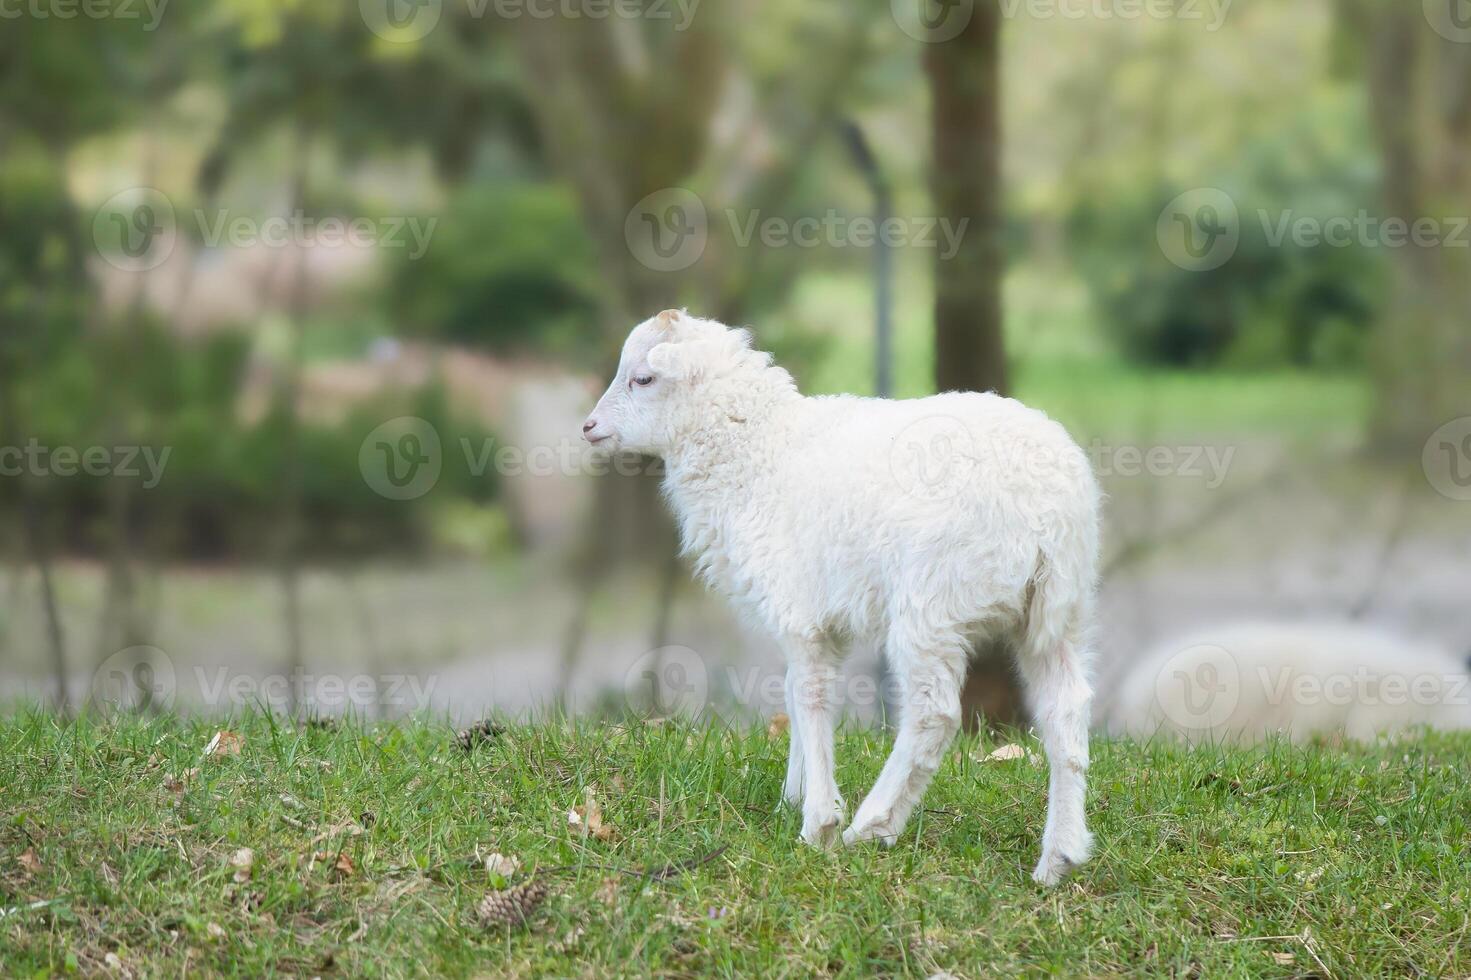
{"points": [[812, 676], [929, 676], [1058, 694]]}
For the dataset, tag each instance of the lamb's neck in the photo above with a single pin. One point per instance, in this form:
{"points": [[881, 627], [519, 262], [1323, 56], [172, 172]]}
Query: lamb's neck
{"points": [[714, 477]]}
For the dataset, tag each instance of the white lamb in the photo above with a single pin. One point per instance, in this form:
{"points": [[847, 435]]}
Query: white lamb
{"points": [[922, 525]]}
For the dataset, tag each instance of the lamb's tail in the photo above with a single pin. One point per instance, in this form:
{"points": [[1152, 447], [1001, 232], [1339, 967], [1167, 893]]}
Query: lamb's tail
{"points": [[1060, 597]]}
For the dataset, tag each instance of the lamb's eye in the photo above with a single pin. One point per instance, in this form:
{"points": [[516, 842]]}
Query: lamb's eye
{"points": [[643, 380]]}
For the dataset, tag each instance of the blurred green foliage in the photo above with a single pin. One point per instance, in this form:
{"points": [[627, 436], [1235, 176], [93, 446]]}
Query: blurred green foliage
{"points": [[509, 269], [1282, 299], [219, 492]]}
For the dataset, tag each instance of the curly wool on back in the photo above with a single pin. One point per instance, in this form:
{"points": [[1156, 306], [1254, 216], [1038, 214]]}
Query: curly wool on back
{"points": [[924, 526]]}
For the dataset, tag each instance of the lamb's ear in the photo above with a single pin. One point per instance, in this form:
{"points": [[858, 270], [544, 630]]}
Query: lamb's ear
{"points": [[676, 361], [690, 359]]}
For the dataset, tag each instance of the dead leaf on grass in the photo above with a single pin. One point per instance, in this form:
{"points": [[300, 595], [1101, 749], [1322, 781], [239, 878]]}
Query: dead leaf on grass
{"points": [[779, 726], [587, 819], [608, 891], [1006, 753], [499, 864], [243, 861], [1284, 959], [344, 866], [224, 743], [29, 862]]}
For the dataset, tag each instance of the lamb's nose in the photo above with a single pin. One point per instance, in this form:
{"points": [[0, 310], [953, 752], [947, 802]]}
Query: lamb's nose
{"points": [[589, 425]]}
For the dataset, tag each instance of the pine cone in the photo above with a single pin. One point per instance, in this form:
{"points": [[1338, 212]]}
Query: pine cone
{"points": [[513, 906], [481, 731]]}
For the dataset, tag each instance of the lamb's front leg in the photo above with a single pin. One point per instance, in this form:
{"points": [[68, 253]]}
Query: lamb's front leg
{"points": [[930, 678], [791, 790], [811, 677]]}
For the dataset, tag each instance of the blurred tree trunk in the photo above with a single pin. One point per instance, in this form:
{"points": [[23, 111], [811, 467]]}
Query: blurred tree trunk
{"points": [[1417, 63], [964, 75], [965, 182], [33, 519], [291, 517]]}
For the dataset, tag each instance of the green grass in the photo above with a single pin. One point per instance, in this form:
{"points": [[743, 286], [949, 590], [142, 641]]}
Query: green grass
{"points": [[1276, 861]]}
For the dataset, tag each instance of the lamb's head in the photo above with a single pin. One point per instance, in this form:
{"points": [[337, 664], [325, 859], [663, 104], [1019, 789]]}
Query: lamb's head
{"points": [[679, 373]]}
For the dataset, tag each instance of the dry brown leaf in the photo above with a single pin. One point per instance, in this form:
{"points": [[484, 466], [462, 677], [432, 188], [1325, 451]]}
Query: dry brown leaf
{"points": [[1006, 753], [344, 866], [29, 862], [351, 828], [780, 725], [608, 891], [588, 818], [499, 864], [215, 931], [224, 743], [243, 861], [1284, 959]]}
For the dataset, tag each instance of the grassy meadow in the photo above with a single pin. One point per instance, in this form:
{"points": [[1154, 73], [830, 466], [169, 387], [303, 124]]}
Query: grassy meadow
{"points": [[155, 846]]}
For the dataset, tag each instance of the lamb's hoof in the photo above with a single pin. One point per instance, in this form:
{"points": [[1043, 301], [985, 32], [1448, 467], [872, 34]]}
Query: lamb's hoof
{"points": [[1057, 864], [881, 832], [820, 830]]}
